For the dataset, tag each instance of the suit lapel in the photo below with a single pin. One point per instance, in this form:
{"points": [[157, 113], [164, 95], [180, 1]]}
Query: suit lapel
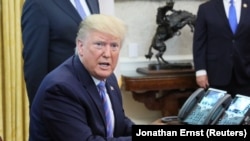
{"points": [[112, 91], [94, 94], [89, 85], [243, 15], [221, 11], [93, 6], [69, 9]]}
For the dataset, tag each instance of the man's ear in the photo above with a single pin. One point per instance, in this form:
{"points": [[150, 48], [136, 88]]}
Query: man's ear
{"points": [[79, 47]]}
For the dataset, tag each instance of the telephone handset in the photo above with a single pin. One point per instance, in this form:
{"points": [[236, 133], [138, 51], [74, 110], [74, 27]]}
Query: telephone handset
{"points": [[190, 103], [202, 106], [218, 110], [238, 112]]}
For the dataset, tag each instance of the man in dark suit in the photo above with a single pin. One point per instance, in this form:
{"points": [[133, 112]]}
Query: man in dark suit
{"points": [[49, 29], [67, 105], [221, 56]]}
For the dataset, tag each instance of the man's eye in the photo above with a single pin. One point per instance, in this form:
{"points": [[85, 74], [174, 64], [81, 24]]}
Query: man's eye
{"points": [[114, 46], [99, 45]]}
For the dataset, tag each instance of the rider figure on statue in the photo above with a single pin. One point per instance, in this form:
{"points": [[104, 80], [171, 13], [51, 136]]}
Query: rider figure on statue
{"points": [[168, 26]]}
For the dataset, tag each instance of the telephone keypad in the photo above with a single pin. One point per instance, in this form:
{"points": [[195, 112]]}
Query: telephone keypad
{"points": [[230, 120], [197, 116]]}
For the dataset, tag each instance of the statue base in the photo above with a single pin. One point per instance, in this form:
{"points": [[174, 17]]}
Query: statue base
{"points": [[170, 66]]}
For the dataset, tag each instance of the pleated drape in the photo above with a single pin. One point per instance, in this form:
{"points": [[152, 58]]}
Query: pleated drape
{"points": [[14, 107]]}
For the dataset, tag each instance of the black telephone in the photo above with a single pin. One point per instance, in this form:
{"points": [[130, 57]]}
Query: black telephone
{"points": [[238, 112], [204, 106]]}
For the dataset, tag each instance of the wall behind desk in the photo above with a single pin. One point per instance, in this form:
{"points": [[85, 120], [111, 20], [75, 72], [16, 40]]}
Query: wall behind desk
{"points": [[140, 16]]}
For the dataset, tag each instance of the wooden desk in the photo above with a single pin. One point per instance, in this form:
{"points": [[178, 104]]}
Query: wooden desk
{"points": [[163, 90]]}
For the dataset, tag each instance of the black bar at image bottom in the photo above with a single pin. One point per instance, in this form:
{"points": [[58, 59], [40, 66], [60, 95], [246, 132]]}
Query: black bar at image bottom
{"points": [[199, 132]]}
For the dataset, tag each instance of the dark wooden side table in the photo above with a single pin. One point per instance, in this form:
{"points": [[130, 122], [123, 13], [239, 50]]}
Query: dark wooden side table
{"points": [[164, 90]]}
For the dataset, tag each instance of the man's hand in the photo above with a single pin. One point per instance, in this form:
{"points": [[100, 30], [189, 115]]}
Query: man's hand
{"points": [[202, 81]]}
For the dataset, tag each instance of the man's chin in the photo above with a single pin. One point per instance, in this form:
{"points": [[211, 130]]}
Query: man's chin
{"points": [[103, 75]]}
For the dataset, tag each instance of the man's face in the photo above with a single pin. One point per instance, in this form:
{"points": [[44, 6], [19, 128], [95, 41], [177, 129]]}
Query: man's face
{"points": [[99, 53]]}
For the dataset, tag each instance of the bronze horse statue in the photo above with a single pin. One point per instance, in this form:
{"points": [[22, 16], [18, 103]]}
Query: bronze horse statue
{"points": [[169, 25]]}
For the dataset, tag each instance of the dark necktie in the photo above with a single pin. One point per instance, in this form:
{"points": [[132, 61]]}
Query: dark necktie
{"points": [[79, 9], [107, 108], [232, 17]]}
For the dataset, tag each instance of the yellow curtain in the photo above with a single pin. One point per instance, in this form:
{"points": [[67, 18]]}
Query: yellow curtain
{"points": [[14, 109]]}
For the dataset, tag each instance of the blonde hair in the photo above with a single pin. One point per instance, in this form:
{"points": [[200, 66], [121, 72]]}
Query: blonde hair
{"points": [[102, 23]]}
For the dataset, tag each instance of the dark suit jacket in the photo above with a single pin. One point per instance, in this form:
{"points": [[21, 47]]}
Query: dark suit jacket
{"points": [[216, 49], [49, 30], [68, 107]]}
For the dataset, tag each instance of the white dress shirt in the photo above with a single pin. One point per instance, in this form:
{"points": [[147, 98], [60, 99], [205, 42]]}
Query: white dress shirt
{"points": [[237, 5], [84, 5]]}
